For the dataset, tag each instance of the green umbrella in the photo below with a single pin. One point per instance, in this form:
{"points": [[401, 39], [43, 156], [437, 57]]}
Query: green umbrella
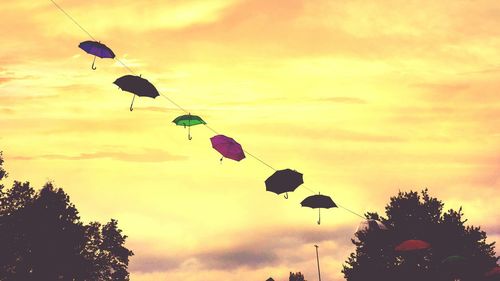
{"points": [[188, 121], [454, 259], [455, 265]]}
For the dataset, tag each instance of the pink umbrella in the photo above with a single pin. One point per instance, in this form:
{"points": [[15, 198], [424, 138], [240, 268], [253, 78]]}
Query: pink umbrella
{"points": [[412, 245], [228, 147]]}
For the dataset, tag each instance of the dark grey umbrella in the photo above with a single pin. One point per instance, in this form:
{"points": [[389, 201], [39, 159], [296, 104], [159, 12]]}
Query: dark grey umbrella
{"points": [[137, 86], [284, 181], [318, 201]]}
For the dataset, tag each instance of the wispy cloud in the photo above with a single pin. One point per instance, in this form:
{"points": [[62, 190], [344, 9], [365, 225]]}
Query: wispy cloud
{"points": [[316, 132], [236, 258], [346, 100], [444, 88], [279, 247], [147, 155], [151, 263]]}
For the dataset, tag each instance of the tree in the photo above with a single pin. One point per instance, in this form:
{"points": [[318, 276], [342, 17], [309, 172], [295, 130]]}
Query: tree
{"points": [[413, 216], [2, 171], [42, 238], [296, 277]]}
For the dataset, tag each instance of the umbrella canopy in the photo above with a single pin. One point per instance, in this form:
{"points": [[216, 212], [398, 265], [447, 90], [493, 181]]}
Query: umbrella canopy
{"points": [[188, 121], [317, 202], [367, 225], [284, 181], [493, 272], [412, 245], [456, 265], [228, 147], [137, 86], [97, 49]]}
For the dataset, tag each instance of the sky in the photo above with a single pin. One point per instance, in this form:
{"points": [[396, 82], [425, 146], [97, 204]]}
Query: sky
{"points": [[365, 98]]}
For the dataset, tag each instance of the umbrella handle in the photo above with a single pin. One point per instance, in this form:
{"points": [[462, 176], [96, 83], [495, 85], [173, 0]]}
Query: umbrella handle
{"points": [[93, 67], [189, 133], [132, 104], [319, 218], [286, 195], [221, 159]]}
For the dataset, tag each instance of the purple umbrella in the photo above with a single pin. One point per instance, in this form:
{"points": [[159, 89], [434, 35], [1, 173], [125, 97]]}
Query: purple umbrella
{"points": [[97, 49], [228, 147]]}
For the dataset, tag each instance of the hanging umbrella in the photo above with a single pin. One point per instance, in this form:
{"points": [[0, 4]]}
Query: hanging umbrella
{"points": [[370, 224], [453, 260], [188, 121], [97, 49], [137, 86], [412, 245], [317, 202], [228, 147], [456, 265], [284, 181]]}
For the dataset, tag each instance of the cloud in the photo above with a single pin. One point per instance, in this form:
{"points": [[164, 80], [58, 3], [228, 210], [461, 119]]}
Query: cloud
{"points": [[158, 109], [490, 70], [7, 111], [236, 258], [153, 263], [296, 131], [148, 155], [347, 100], [22, 99], [446, 88], [7, 79], [256, 250], [4, 80]]}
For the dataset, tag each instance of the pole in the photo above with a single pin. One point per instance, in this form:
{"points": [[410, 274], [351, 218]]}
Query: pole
{"points": [[317, 258]]}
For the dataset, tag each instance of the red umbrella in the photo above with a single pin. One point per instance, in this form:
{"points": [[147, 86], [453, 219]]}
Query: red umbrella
{"points": [[412, 245], [494, 272]]}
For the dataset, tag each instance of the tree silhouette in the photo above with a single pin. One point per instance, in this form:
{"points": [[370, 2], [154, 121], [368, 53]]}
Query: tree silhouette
{"points": [[413, 216], [42, 238], [2, 171], [296, 277]]}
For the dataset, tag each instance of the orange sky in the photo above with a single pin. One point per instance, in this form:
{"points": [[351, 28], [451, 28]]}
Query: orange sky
{"points": [[364, 99]]}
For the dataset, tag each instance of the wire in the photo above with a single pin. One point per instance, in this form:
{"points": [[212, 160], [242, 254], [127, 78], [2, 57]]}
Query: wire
{"points": [[352, 212], [174, 103], [314, 192], [186, 111], [258, 159], [122, 63], [72, 19]]}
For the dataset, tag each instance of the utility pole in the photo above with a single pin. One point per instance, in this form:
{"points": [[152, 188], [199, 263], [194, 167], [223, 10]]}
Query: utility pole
{"points": [[317, 258]]}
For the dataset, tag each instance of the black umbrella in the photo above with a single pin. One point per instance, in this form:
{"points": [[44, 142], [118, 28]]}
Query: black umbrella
{"points": [[317, 202], [284, 181], [137, 86]]}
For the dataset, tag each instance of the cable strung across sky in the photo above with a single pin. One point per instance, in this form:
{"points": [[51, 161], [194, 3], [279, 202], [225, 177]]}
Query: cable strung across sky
{"points": [[177, 105]]}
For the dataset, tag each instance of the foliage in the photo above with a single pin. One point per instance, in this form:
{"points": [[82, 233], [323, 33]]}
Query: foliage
{"points": [[414, 216], [42, 238], [296, 277]]}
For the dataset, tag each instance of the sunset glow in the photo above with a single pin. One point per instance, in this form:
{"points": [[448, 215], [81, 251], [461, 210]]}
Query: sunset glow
{"points": [[365, 98]]}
